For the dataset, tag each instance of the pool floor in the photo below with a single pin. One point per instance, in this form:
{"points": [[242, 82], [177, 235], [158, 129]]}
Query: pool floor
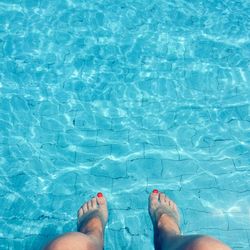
{"points": [[123, 97]]}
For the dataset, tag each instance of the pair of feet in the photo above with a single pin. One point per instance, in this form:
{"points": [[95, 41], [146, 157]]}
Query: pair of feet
{"points": [[93, 215]]}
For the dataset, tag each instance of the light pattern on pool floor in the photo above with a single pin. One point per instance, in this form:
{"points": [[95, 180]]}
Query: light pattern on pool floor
{"points": [[123, 97]]}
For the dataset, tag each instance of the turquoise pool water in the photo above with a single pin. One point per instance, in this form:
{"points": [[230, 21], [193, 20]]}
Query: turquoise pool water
{"points": [[123, 97]]}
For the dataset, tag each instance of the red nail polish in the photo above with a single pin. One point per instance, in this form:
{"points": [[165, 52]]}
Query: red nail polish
{"points": [[99, 195], [155, 191]]}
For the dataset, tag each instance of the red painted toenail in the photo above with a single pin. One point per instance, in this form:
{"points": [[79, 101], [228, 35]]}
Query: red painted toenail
{"points": [[155, 191], [99, 195]]}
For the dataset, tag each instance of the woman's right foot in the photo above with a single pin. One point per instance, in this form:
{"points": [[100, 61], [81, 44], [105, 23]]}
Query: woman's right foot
{"points": [[164, 213], [93, 216]]}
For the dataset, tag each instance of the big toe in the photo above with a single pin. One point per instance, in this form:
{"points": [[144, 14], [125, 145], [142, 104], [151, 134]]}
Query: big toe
{"points": [[101, 200], [102, 204], [154, 197], [153, 201]]}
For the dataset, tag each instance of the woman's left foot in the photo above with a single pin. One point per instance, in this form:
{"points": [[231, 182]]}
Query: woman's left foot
{"points": [[164, 213], [93, 216]]}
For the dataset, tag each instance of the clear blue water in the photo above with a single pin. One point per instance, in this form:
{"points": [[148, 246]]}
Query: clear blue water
{"points": [[123, 97]]}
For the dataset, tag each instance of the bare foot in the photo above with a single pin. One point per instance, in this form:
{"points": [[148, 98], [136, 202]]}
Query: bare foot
{"points": [[163, 213], [93, 216]]}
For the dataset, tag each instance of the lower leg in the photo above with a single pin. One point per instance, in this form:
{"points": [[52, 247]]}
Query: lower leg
{"points": [[92, 218], [205, 243], [165, 218], [189, 242], [76, 240]]}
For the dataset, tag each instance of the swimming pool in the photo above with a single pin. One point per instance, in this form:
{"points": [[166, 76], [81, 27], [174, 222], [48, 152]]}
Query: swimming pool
{"points": [[123, 97]]}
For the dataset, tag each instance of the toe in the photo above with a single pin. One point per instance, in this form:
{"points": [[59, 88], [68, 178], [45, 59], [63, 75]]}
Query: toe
{"points": [[85, 208], [153, 204], [94, 203], [175, 207], [101, 201], [80, 212], [89, 204], [171, 204], [153, 198], [162, 197]]}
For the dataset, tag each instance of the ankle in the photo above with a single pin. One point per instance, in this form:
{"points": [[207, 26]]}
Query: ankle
{"points": [[94, 225], [92, 230], [97, 238], [167, 224]]}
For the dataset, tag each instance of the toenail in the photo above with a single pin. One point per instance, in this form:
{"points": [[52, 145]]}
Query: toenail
{"points": [[99, 195], [155, 191]]}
